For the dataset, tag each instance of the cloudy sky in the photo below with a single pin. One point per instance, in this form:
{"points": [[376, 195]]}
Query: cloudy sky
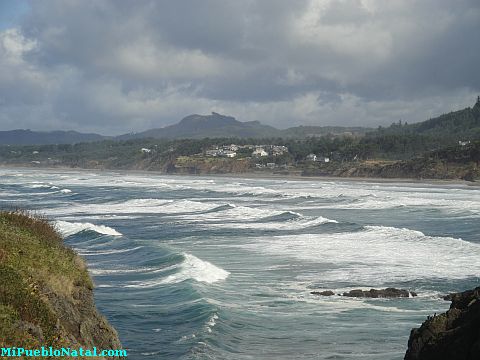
{"points": [[116, 66]]}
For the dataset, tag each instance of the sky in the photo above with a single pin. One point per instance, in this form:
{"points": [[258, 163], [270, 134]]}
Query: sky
{"points": [[118, 66]]}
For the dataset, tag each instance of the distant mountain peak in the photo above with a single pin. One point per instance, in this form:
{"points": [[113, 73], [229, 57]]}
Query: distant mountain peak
{"points": [[215, 119], [213, 125]]}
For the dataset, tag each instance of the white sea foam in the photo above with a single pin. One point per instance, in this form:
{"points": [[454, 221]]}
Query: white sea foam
{"points": [[69, 228], [107, 252], [39, 186], [191, 268], [370, 196], [126, 207], [293, 224], [99, 217], [94, 271], [65, 191], [156, 206], [9, 194], [120, 271], [350, 195], [233, 212], [244, 212], [377, 254], [183, 206], [211, 322], [139, 203]]}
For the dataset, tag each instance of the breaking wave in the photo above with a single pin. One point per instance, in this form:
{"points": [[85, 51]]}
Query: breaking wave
{"points": [[190, 268], [70, 228]]}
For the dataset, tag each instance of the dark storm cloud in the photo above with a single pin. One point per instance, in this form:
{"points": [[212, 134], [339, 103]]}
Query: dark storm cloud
{"points": [[119, 66]]}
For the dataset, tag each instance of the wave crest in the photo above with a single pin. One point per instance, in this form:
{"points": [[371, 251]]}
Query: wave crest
{"points": [[70, 228], [190, 268]]}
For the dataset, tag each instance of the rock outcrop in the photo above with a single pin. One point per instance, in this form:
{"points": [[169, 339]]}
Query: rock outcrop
{"points": [[454, 335], [372, 293], [383, 293], [323, 293]]}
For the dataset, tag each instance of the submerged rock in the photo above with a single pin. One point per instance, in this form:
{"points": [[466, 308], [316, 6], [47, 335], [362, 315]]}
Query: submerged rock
{"points": [[453, 335], [383, 293]]}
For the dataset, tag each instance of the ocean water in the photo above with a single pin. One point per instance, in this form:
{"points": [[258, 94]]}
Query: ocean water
{"points": [[222, 268]]}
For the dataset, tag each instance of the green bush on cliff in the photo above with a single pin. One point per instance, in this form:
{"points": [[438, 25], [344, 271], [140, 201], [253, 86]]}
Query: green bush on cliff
{"points": [[34, 263]]}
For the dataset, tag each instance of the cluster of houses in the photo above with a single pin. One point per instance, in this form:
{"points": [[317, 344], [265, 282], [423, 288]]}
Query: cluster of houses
{"points": [[260, 151], [257, 150], [229, 151], [273, 150]]}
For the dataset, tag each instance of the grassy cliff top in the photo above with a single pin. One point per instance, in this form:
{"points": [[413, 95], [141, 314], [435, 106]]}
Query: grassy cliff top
{"points": [[46, 294]]}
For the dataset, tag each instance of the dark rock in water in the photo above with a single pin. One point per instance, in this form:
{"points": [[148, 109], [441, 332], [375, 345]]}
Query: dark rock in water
{"points": [[372, 293], [448, 297], [383, 293], [323, 293], [454, 335]]}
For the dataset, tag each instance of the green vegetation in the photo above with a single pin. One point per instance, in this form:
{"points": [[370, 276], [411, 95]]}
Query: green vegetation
{"points": [[32, 257], [41, 281]]}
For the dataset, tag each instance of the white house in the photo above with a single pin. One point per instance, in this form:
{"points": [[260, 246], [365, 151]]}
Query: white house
{"points": [[212, 152], [311, 157], [146, 151], [231, 147], [229, 154], [259, 152]]}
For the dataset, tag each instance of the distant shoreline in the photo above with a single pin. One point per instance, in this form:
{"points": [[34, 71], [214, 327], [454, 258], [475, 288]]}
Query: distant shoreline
{"points": [[264, 175]]}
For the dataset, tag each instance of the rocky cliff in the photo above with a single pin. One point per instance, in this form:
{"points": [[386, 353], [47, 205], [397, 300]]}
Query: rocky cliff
{"points": [[46, 294], [454, 335], [411, 169]]}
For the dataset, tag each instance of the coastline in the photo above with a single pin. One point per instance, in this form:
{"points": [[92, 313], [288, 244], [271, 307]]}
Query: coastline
{"points": [[263, 175], [282, 182]]}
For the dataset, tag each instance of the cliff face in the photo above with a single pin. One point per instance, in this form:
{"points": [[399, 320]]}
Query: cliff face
{"points": [[46, 294], [454, 335], [412, 169]]}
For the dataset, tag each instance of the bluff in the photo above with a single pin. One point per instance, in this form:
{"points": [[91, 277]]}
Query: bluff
{"points": [[46, 294], [454, 335]]}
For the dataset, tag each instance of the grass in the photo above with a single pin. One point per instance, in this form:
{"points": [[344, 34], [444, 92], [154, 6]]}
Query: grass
{"points": [[34, 262]]}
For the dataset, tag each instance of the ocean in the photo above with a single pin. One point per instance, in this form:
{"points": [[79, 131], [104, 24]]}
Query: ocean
{"points": [[211, 267]]}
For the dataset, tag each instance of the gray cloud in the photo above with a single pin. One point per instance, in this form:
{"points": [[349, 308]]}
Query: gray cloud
{"points": [[120, 66]]}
